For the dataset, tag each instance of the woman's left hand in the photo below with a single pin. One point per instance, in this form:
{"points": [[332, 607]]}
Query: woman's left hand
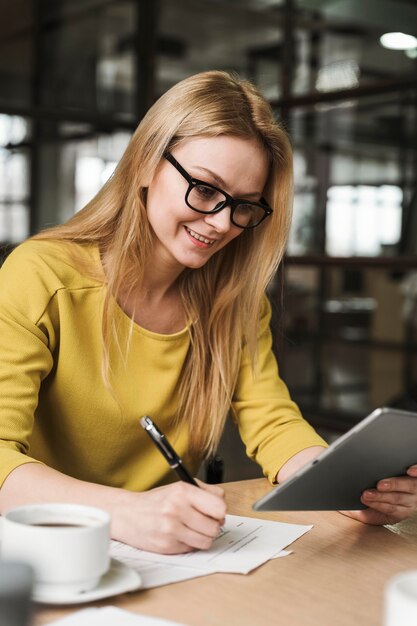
{"points": [[393, 500]]}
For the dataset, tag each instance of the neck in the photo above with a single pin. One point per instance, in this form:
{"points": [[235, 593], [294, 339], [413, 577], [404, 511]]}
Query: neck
{"points": [[155, 304], [160, 277]]}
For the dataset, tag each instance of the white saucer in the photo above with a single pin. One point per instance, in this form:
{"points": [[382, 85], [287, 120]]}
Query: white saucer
{"points": [[118, 579]]}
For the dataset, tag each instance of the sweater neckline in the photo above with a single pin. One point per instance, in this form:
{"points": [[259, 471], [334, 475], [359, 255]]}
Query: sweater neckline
{"points": [[132, 324]]}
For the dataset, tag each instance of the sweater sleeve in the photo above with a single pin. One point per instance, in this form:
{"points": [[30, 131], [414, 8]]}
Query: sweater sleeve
{"points": [[27, 338], [270, 423]]}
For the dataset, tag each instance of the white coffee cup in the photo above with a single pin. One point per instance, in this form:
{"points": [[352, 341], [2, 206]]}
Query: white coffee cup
{"points": [[67, 545], [401, 600]]}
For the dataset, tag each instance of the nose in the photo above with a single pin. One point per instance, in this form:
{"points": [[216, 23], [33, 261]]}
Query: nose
{"points": [[219, 221]]}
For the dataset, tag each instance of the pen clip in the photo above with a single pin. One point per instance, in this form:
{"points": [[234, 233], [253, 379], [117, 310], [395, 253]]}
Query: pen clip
{"points": [[162, 442], [158, 439], [166, 450]]}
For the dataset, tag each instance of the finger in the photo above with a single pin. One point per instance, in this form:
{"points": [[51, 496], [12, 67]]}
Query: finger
{"points": [[215, 489], [170, 545], [360, 515], [208, 503], [181, 548], [169, 538], [193, 539], [189, 527], [389, 507], [370, 516], [392, 497], [412, 470], [405, 484], [202, 524], [175, 536], [392, 512], [181, 494]]}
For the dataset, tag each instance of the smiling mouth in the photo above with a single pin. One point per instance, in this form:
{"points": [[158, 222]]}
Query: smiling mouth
{"points": [[198, 237]]}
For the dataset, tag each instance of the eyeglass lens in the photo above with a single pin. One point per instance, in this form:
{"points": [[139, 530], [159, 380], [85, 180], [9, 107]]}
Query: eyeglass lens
{"points": [[208, 199]]}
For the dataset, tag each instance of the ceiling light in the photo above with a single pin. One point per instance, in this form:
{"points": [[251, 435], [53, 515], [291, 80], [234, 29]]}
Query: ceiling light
{"points": [[398, 41], [412, 53]]}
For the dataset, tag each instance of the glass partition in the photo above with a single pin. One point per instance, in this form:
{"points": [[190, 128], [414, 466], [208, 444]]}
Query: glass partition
{"points": [[14, 179]]}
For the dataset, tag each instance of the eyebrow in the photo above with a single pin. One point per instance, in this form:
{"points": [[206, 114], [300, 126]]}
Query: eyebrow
{"points": [[222, 183]]}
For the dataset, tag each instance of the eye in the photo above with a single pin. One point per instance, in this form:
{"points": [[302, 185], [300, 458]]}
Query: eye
{"points": [[247, 209], [248, 213], [204, 192]]}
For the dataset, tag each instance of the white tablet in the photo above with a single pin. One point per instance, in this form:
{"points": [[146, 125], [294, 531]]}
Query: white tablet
{"points": [[384, 444]]}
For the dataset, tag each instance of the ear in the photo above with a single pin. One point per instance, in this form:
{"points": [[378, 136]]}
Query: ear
{"points": [[149, 177], [144, 194]]}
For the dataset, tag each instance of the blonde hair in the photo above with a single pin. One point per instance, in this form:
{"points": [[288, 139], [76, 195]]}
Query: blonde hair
{"points": [[224, 297]]}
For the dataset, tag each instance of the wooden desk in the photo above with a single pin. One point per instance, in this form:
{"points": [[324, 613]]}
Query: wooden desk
{"points": [[336, 576]]}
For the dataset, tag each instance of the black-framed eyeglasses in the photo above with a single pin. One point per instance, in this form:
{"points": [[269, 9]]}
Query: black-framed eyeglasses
{"points": [[206, 198]]}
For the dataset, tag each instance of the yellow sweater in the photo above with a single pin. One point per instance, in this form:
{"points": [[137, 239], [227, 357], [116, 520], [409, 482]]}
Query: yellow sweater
{"points": [[55, 408]]}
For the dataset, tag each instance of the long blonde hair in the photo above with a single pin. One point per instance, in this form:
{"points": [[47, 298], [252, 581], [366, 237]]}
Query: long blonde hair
{"points": [[224, 297]]}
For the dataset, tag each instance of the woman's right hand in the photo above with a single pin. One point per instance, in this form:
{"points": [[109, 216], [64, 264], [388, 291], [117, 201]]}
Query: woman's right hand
{"points": [[172, 519], [169, 520]]}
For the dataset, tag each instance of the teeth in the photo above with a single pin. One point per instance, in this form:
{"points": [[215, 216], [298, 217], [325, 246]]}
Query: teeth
{"points": [[199, 237]]}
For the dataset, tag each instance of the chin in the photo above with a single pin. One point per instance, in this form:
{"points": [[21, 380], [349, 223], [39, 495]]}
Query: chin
{"points": [[194, 266], [194, 263]]}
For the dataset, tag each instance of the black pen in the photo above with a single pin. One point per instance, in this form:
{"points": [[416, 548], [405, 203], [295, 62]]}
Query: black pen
{"points": [[167, 450]]}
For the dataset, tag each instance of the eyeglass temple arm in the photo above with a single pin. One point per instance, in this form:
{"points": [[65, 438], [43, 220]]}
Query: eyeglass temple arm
{"points": [[177, 166], [265, 205]]}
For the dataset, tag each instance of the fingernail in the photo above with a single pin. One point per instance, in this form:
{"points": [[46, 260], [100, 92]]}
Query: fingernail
{"points": [[369, 494], [384, 484]]}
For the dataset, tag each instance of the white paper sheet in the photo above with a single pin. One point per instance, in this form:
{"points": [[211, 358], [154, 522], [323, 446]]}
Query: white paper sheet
{"points": [[245, 544], [110, 616]]}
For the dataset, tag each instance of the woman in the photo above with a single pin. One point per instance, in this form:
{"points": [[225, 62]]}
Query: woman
{"points": [[151, 301]]}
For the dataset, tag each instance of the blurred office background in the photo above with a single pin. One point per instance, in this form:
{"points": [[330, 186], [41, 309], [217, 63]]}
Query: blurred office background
{"points": [[76, 76]]}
